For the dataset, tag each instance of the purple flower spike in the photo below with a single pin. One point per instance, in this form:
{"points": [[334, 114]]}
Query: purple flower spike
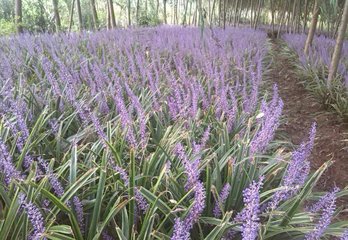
{"points": [[141, 201], [222, 199], [198, 205], [327, 206], [249, 216], [344, 235], [297, 171], [35, 218], [79, 211], [180, 231], [6, 165]]}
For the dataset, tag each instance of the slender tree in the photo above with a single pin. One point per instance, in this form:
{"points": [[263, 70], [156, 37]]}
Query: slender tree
{"points": [[339, 43], [258, 13], [137, 11], [94, 14], [157, 8], [56, 14], [305, 16], [112, 13], [18, 15], [108, 16], [236, 11], [185, 13], [129, 13], [71, 14], [79, 14], [219, 15], [224, 16], [165, 11], [212, 12], [272, 16], [313, 26]]}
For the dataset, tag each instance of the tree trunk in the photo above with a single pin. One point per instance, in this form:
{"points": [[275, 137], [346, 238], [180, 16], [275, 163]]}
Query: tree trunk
{"points": [[165, 11], [258, 14], [251, 13], [293, 17], [224, 17], [176, 12], [212, 12], [157, 8], [201, 17], [272, 16], [79, 14], [137, 11], [298, 17], [56, 15], [236, 11], [209, 10], [312, 27], [71, 14], [282, 17], [112, 14], [219, 13], [108, 20], [94, 14], [190, 11], [339, 44], [18, 16], [305, 16], [185, 13], [337, 24], [129, 13], [195, 16], [288, 21]]}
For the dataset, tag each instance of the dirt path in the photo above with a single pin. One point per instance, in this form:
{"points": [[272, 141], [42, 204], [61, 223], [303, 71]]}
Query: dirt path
{"points": [[301, 110]]}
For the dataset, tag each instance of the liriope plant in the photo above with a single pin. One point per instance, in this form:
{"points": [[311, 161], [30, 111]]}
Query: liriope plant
{"points": [[177, 149], [313, 71]]}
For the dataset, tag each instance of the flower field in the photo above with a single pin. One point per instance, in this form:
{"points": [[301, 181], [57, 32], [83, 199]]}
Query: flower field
{"points": [[154, 133]]}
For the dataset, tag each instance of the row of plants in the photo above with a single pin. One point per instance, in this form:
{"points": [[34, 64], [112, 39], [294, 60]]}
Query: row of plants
{"points": [[155, 133], [313, 69]]}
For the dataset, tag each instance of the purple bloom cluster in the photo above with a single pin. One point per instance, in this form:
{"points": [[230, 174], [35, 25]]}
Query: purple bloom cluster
{"points": [[79, 211], [198, 147], [180, 231], [327, 206], [56, 185], [269, 123], [106, 236], [344, 235], [140, 200], [222, 199], [197, 207], [34, 216], [191, 168], [6, 165], [182, 227], [297, 171], [249, 216]]}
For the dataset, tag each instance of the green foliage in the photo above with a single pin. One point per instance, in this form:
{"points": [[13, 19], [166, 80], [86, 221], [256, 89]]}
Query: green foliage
{"points": [[149, 20], [7, 27]]}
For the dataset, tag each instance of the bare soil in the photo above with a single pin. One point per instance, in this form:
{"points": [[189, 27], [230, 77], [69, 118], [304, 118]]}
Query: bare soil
{"points": [[301, 109]]}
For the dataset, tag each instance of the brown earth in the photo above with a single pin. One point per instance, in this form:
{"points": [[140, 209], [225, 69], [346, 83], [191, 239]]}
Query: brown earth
{"points": [[300, 110]]}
